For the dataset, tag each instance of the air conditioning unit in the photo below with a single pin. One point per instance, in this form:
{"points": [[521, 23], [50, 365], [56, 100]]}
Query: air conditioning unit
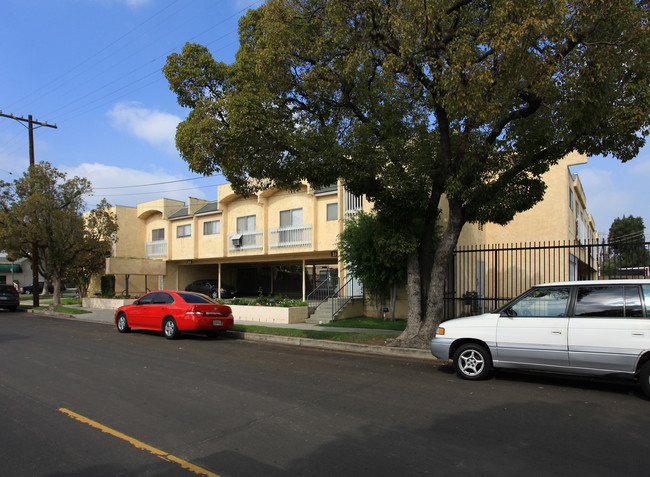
{"points": [[237, 240]]}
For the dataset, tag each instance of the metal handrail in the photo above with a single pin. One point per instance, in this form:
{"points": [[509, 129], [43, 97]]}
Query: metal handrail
{"points": [[338, 301], [320, 294]]}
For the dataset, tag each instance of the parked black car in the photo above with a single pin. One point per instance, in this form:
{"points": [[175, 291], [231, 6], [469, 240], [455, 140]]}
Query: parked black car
{"points": [[27, 289], [210, 287], [9, 297]]}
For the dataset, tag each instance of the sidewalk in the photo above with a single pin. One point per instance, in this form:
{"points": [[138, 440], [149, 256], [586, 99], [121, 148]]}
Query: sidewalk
{"points": [[108, 317]]}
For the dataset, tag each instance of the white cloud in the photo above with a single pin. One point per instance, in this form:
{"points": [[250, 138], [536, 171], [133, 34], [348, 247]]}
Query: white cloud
{"points": [[156, 127]]}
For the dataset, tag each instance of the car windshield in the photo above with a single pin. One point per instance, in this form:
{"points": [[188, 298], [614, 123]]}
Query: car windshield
{"points": [[195, 298]]}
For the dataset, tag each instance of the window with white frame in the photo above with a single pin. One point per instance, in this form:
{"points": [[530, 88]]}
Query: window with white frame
{"points": [[183, 230], [246, 224], [212, 227], [333, 211], [157, 235]]}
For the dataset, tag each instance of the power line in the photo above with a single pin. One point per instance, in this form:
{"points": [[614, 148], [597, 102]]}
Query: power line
{"points": [[153, 183]]}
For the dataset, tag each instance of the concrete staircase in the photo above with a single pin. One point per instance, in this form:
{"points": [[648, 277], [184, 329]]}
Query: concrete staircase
{"points": [[323, 314]]}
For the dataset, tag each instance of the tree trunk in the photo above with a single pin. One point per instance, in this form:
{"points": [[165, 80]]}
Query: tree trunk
{"points": [[56, 292], [421, 324]]}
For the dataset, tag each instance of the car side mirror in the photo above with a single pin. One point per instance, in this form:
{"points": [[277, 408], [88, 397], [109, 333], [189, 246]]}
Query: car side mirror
{"points": [[509, 312]]}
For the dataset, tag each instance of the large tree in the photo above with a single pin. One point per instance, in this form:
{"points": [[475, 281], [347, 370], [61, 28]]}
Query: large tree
{"points": [[626, 241], [44, 209], [410, 102], [99, 236]]}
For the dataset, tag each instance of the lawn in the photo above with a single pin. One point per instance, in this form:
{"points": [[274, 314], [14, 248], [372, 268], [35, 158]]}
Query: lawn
{"points": [[368, 323]]}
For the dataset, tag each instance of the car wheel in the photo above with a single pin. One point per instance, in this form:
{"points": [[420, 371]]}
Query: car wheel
{"points": [[212, 334], [215, 294], [472, 361], [644, 378], [170, 330], [122, 324]]}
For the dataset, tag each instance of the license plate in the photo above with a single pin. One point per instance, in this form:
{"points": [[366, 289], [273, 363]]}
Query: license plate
{"points": [[216, 322]]}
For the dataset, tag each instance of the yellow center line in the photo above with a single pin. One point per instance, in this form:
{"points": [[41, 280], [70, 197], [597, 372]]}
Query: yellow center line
{"points": [[140, 445]]}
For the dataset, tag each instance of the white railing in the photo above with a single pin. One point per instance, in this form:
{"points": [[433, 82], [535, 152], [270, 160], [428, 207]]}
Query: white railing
{"points": [[238, 242], [156, 249], [298, 236], [353, 203]]}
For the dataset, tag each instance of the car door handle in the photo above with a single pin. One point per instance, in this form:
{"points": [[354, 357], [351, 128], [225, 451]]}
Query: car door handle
{"points": [[556, 332], [638, 333]]}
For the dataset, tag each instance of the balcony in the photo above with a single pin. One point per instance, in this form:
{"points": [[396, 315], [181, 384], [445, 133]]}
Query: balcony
{"points": [[156, 249], [293, 236], [243, 241]]}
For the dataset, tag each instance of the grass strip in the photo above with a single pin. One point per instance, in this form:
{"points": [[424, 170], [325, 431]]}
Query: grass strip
{"points": [[367, 323], [364, 338], [58, 309]]}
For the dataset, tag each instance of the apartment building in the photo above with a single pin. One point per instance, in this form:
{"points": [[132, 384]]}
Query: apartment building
{"points": [[284, 243], [276, 241]]}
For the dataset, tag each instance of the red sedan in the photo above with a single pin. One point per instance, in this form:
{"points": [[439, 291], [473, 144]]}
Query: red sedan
{"points": [[174, 311]]}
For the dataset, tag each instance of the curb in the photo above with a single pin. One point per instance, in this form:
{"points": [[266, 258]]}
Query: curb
{"points": [[335, 345]]}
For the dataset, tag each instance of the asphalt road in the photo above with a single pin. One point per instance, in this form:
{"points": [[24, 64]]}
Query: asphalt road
{"points": [[80, 399]]}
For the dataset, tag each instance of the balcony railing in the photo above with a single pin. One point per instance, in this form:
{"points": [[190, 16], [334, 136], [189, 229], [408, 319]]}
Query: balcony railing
{"points": [[156, 249], [298, 236], [238, 242]]}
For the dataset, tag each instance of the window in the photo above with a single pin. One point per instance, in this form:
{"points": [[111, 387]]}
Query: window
{"points": [[161, 298], [288, 219], [570, 198], [333, 211], [646, 298], [212, 227], [183, 231], [543, 302], [611, 302], [157, 235], [291, 218], [246, 224]]}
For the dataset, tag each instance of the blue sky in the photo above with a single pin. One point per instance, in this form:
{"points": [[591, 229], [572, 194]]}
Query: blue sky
{"points": [[93, 67]]}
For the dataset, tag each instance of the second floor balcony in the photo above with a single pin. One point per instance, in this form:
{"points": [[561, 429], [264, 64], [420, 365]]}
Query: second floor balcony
{"points": [[242, 241], [292, 236], [156, 249]]}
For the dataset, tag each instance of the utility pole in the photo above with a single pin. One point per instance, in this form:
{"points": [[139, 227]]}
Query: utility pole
{"points": [[30, 125]]}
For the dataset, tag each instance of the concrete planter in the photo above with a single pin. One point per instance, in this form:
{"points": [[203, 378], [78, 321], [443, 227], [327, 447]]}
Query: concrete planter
{"points": [[105, 303], [270, 314]]}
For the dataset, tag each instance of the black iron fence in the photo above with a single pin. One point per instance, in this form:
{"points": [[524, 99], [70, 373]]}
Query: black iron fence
{"points": [[482, 278]]}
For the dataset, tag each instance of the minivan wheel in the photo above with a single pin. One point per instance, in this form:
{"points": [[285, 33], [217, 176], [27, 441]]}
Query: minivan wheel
{"points": [[472, 361], [170, 330], [122, 324], [644, 379]]}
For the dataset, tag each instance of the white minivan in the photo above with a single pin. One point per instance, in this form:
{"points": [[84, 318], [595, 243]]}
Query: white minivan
{"points": [[595, 327]]}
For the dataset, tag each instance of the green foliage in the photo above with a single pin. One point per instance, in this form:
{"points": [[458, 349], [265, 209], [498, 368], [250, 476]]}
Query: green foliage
{"points": [[410, 101], [627, 244], [43, 209], [373, 252], [100, 232], [107, 284], [265, 300]]}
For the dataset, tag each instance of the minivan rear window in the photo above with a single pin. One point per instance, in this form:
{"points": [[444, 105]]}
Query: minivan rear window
{"points": [[609, 301]]}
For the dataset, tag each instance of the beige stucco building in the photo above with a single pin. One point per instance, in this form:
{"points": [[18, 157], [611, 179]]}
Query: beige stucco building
{"points": [[284, 243], [276, 241]]}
